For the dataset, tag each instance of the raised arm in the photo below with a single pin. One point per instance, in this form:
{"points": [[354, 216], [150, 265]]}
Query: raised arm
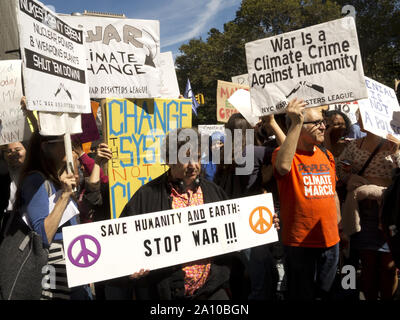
{"points": [[284, 157], [103, 154], [269, 122]]}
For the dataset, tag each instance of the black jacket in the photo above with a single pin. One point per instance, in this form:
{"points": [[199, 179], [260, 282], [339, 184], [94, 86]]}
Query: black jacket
{"points": [[155, 196], [5, 182], [168, 283]]}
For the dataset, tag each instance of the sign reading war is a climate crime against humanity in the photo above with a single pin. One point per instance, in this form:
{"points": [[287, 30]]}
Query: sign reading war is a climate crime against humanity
{"points": [[320, 64], [135, 132], [119, 247], [54, 61], [122, 56]]}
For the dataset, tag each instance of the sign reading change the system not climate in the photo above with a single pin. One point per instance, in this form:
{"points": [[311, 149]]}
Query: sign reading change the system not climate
{"points": [[320, 64], [54, 61], [135, 131], [119, 247]]}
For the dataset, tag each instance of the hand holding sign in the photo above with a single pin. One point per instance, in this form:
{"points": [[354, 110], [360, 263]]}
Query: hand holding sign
{"points": [[68, 182], [295, 110], [103, 154]]}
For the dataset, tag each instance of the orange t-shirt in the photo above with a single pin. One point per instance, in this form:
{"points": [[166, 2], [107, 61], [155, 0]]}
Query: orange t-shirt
{"points": [[307, 200]]}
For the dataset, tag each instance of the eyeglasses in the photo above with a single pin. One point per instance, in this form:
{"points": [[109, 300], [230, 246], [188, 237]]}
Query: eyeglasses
{"points": [[316, 122]]}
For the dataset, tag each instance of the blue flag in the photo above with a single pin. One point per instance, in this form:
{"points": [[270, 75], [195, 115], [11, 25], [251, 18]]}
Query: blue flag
{"points": [[189, 95]]}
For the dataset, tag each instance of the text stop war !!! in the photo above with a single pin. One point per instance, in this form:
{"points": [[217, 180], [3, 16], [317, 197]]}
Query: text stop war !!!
{"points": [[158, 245]]}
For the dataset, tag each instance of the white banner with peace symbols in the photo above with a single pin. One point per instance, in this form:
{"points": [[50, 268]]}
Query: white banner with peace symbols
{"points": [[114, 248]]}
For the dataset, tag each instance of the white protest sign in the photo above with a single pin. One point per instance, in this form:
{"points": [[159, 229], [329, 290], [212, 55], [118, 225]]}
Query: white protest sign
{"points": [[54, 59], [13, 126], [57, 124], [348, 108], [320, 64], [242, 102], [119, 247], [169, 82], [122, 56], [209, 129], [380, 113], [241, 79]]}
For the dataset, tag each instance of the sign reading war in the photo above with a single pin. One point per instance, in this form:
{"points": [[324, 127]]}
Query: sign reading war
{"points": [[54, 61], [115, 248], [135, 132], [320, 64], [122, 56]]}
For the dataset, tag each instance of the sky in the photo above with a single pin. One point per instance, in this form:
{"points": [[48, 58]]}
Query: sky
{"points": [[180, 20]]}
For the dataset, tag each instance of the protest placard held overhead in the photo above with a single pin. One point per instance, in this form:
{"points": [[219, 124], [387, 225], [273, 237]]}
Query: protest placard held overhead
{"points": [[320, 64]]}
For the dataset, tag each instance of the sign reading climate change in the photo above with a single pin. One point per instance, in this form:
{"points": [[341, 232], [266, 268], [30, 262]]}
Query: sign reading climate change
{"points": [[135, 133], [380, 113], [115, 248], [320, 64], [54, 61], [122, 56]]}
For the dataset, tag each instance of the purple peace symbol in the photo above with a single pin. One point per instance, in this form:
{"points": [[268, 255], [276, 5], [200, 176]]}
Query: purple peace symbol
{"points": [[84, 252]]}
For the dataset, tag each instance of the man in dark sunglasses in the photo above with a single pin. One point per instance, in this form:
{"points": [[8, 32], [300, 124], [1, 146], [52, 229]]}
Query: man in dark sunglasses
{"points": [[306, 180]]}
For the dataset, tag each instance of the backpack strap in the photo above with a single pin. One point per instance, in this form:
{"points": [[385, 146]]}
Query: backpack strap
{"points": [[325, 150]]}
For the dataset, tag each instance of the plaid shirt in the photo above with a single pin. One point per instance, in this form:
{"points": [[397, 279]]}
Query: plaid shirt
{"points": [[197, 272]]}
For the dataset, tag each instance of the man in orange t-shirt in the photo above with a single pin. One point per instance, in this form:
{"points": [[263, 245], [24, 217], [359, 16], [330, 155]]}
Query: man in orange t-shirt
{"points": [[308, 204]]}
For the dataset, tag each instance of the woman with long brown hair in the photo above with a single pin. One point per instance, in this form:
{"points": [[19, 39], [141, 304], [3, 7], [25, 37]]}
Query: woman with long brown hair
{"points": [[43, 175]]}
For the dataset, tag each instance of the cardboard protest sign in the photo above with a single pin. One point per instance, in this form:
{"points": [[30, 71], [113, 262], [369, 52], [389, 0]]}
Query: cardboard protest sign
{"points": [[241, 79], [135, 131], [348, 108], [169, 81], [320, 64], [242, 102], [122, 56], [380, 113], [224, 91], [54, 61], [58, 123], [115, 248], [13, 126]]}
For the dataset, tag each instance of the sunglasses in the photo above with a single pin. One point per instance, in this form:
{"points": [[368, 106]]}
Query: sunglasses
{"points": [[316, 122]]}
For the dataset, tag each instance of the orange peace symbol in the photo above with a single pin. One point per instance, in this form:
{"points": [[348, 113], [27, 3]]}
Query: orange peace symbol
{"points": [[261, 226]]}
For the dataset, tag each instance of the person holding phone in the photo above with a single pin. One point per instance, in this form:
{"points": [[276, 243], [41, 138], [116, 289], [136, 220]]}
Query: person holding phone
{"points": [[43, 175]]}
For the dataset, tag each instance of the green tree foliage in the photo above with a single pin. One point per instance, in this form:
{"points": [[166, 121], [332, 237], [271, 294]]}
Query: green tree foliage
{"points": [[222, 55], [378, 29]]}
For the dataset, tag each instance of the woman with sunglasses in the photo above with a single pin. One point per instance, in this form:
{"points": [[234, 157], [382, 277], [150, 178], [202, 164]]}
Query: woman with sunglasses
{"points": [[43, 175]]}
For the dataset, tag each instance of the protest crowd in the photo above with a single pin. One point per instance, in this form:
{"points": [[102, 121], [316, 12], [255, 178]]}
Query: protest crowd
{"points": [[334, 187]]}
